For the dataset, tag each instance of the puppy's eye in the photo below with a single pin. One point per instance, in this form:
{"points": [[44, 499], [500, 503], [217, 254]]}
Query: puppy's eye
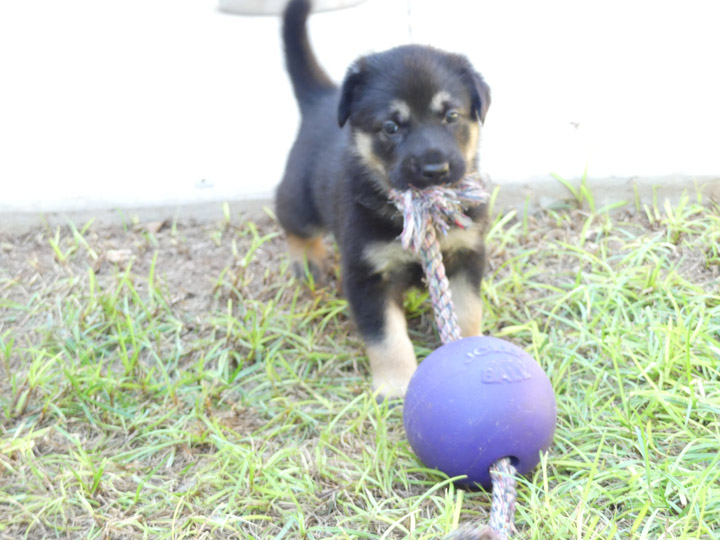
{"points": [[390, 127], [452, 116]]}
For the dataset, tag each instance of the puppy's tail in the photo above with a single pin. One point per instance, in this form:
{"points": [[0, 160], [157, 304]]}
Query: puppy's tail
{"points": [[309, 80]]}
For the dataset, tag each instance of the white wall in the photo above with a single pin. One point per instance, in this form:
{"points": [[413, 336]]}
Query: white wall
{"points": [[144, 102]]}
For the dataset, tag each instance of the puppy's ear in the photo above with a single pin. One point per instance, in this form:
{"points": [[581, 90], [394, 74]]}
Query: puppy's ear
{"points": [[479, 90], [348, 91], [480, 95]]}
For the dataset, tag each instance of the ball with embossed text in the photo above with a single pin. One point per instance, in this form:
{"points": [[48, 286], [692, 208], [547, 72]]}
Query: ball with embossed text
{"points": [[474, 401]]}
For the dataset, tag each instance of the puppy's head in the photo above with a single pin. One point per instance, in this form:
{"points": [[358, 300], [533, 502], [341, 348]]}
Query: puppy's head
{"points": [[415, 114]]}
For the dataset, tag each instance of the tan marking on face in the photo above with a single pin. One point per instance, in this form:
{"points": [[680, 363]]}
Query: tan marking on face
{"points": [[364, 150], [468, 306], [386, 256], [401, 108], [437, 103], [311, 249], [473, 143], [392, 359]]}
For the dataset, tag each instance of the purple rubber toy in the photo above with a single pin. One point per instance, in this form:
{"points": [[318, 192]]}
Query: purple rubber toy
{"points": [[474, 401]]}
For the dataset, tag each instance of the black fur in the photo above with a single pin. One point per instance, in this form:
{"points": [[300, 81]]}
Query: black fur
{"points": [[330, 185], [309, 79]]}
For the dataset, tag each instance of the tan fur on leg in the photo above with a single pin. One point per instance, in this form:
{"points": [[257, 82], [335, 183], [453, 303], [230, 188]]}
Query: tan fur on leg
{"points": [[392, 360], [468, 306], [310, 249]]}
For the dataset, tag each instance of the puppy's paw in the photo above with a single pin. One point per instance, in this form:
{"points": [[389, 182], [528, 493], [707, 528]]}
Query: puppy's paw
{"points": [[307, 256], [392, 387], [392, 363], [308, 272], [391, 355]]}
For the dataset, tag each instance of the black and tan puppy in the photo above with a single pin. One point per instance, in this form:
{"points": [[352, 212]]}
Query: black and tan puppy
{"points": [[410, 116]]}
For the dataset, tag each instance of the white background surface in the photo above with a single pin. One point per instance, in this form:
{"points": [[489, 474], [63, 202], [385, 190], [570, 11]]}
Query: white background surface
{"points": [[147, 102]]}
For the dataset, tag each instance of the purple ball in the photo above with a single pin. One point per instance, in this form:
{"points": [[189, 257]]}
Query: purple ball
{"points": [[474, 401]]}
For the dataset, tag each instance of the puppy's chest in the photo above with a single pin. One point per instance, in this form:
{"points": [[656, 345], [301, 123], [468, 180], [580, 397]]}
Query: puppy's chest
{"points": [[388, 257]]}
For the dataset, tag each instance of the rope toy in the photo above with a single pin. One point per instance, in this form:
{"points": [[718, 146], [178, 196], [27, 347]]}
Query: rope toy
{"points": [[427, 214], [441, 207]]}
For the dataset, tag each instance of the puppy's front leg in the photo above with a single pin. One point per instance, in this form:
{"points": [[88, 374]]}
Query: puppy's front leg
{"points": [[467, 303], [384, 330], [391, 354], [465, 269]]}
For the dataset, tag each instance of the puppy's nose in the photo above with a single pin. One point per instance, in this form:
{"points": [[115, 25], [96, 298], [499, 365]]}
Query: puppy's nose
{"points": [[435, 171]]}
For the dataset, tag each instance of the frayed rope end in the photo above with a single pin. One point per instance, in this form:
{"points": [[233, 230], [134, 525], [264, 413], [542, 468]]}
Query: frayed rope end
{"points": [[443, 207]]}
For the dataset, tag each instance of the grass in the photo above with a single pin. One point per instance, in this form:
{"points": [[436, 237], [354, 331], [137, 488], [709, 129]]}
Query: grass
{"points": [[172, 381]]}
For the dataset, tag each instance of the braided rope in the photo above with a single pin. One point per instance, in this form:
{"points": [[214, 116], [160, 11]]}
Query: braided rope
{"points": [[502, 510], [427, 213], [439, 287]]}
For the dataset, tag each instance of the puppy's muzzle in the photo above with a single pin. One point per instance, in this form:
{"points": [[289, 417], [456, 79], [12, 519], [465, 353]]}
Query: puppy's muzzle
{"points": [[431, 168], [429, 157]]}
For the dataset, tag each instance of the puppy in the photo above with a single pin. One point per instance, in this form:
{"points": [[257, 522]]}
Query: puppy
{"points": [[410, 116]]}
